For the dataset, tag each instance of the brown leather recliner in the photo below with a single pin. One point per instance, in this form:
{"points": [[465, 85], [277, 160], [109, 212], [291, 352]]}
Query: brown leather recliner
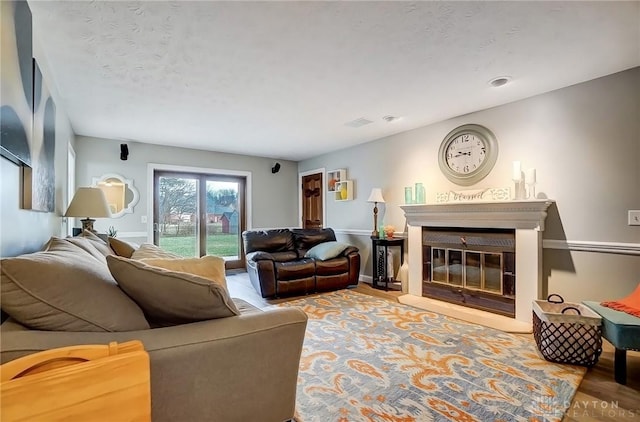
{"points": [[277, 265]]}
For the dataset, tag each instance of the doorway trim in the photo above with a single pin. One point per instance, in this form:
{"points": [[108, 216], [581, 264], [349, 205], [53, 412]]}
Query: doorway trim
{"points": [[324, 194], [152, 167]]}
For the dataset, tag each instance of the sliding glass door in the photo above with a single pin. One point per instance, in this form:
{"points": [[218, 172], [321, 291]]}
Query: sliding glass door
{"points": [[200, 214]]}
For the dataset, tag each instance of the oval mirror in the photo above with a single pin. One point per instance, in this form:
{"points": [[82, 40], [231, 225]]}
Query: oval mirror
{"points": [[121, 195]]}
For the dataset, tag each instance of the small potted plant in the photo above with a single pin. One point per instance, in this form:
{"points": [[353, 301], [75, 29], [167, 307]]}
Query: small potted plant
{"points": [[389, 230], [112, 232]]}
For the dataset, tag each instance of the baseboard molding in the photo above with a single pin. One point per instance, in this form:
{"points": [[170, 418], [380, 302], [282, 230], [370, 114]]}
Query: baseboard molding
{"points": [[571, 245]]}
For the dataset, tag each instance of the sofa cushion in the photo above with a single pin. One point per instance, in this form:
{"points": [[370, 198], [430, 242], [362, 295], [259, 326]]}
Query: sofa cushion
{"points": [[170, 296], [97, 242], [58, 244], [326, 250], [306, 239], [245, 307], [332, 266], [149, 250], [122, 248], [274, 240], [90, 243], [66, 289], [300, 268], [209, 267]]}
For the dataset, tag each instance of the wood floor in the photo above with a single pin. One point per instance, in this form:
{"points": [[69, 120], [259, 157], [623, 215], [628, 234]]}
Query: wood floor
{"points": [[599, 397]]}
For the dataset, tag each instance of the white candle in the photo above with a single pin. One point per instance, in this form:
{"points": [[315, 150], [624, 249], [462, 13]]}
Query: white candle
{"points": [[517, 172], [530, 176]]}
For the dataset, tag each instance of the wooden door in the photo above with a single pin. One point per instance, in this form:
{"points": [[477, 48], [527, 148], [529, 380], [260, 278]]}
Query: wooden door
{"points": [[312, 201]]}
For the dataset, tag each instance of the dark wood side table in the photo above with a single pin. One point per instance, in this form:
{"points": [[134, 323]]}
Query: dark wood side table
{"points": [[379, 273]]}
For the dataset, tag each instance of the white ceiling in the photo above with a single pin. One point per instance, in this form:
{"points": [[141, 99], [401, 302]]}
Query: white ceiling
{"points": [[281, 79]]}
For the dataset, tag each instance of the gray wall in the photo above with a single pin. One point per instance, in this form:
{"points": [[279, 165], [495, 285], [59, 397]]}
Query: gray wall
{"points": [[21, 230], [274, 196], [583, 140]]}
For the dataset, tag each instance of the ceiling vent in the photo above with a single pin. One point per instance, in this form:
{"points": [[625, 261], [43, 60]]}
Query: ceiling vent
{"points": [[358, 122]]}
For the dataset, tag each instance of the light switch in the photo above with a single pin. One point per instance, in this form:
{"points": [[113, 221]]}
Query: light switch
{"points": [[143, 219], [634, 217]]}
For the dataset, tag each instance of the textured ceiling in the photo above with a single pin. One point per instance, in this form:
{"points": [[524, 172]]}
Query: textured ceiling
{"points": [[281, 79]]}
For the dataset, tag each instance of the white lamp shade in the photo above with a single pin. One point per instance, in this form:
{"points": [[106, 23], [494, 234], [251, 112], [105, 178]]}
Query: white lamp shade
{"points": [[88, 202], [376, 195]]}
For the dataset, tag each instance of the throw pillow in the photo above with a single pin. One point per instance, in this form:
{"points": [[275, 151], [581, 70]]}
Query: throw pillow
{"points": [[66, 289], [97, 243], [90, 246], [122, 248], [629, 304], [149, 250], [100, 244], [209, 267], [171, 296], [326, 250], [58, 244]]}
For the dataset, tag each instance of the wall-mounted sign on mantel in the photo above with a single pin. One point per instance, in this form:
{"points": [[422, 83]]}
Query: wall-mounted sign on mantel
{"points": [[487, 194]]}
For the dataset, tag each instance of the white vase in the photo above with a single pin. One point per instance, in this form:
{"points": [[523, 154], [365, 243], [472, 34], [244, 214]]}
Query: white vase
{"points": [[403, 276]]}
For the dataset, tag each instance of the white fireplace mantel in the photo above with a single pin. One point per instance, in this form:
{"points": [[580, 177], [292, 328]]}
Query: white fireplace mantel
{"points": [[526, 214], [527, 217]]}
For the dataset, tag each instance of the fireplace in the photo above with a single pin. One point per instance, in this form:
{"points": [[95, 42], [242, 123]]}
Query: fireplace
{"points": [[515, 255], [470, 267]]}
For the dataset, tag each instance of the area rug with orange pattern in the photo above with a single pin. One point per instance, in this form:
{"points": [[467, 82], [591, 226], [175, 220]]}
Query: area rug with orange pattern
{"points": [[369, 359]]}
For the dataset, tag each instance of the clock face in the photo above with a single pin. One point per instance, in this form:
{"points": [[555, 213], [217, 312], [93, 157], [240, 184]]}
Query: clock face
{"points": [[467, 154]]}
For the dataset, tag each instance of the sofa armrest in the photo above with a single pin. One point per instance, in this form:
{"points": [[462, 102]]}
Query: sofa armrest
{"points": [[354, 266], [236, 368], [259, 256], [282, 256], [350, 250]]}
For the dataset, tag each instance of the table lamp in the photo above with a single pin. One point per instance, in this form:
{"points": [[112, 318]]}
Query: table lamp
{"points": [[375, 197], [88, 202]]}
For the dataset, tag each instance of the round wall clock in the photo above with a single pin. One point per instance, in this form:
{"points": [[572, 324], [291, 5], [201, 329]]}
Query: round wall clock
{"points": [[467, 154]]}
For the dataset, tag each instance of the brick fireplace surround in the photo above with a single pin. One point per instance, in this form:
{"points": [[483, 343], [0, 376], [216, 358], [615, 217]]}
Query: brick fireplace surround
{"points": [[527, 217]]}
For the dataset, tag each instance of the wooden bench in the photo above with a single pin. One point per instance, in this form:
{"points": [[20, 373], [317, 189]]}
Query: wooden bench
{"points": [[623, 331]]}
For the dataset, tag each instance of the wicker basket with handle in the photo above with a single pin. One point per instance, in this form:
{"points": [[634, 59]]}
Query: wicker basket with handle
{"points": [[567, 332]]}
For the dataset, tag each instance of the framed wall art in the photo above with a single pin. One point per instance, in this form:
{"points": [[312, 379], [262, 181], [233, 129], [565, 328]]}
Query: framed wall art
{"points": [[43, 184], [16, 68]]}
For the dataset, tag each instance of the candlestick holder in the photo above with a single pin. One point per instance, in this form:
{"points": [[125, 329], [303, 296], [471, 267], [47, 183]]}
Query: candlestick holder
{"points": [[519, 188], [516, 176], [530, 181], [531, 190]]}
